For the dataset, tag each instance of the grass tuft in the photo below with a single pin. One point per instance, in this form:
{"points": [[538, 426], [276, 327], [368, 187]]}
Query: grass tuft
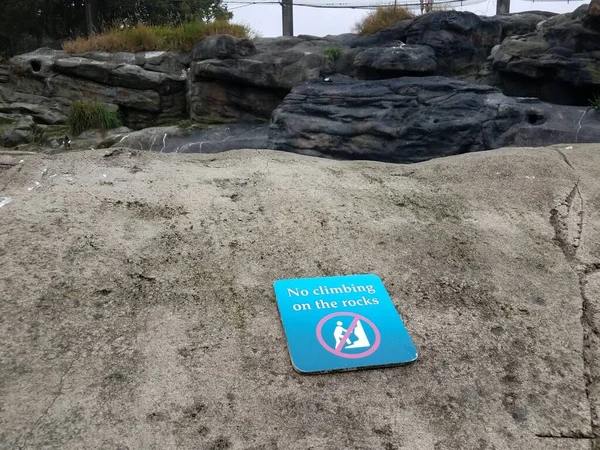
{"points": [[594, 103], [141, 38], [91, 116], [381, 18], [333, 53]]}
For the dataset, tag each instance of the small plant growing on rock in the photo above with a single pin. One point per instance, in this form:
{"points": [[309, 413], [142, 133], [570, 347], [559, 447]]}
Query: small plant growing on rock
{"points": [[91, 116], [594, 103], [333, 53]]}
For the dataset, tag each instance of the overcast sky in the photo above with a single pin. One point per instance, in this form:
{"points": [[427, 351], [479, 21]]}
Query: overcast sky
{"points": [[266, 19]]}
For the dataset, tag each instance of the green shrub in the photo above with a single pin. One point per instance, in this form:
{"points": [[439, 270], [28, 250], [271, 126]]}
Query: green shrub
{"points": [[141, 38], [333, 53], [91, 116], [381, 18], [594, 102]]}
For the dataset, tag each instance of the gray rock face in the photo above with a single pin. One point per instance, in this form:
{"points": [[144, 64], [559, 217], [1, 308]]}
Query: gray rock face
{"points": [[248, 78], [401, 58], [414, 119], [4, 73], [42, 109], [119, 74], [461, 40], [167, 335], [177, 140], [218, 102], [560, 62], [237, 82], [148, 88], [223, 47], [16, 129]]}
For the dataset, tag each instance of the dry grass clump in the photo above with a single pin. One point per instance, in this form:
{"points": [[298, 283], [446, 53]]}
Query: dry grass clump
{"points": [[381, 18], [142, 38]]}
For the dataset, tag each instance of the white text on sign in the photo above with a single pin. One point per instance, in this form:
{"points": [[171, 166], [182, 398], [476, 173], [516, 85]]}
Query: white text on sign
{"points": [[324, 290]]}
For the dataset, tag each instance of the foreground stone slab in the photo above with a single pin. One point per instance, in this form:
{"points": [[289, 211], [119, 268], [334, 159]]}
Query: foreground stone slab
{"points": [[137, 308]]}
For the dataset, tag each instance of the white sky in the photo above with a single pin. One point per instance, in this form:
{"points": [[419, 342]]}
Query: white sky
{"points": [[266, 19]]}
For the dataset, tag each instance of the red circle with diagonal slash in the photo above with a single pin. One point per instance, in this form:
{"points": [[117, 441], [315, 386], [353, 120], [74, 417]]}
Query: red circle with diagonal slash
{"points": [[355, 317]]}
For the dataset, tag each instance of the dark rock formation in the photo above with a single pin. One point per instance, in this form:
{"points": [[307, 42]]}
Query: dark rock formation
{"points": [[559, 63], [238, 80], [231, 80], [461, 40], [414, 119], [243, 85], [406, 59], [4, 73]]}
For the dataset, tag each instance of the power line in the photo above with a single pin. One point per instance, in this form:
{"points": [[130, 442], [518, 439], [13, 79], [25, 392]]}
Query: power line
{"points": [[359, 5]]}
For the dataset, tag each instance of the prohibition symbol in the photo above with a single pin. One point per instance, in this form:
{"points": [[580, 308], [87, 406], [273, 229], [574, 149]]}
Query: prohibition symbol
{"points": [[352, 337]]}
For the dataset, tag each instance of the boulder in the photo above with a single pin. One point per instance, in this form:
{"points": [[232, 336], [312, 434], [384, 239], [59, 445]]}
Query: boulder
{"points": [[223, 47], [559, 62], [16, 129], [399, 59], [246, 85], [114, 73], [520, 23], [157, 61], [235, 79], [42, 109], [414, 119], [461, 40], [37, 64], [270, 70], [453, 25], [4, 73], [149, 88], [39, 113]]}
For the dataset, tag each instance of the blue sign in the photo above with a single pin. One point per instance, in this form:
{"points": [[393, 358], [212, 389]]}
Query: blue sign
{"points": [[341, 323]]}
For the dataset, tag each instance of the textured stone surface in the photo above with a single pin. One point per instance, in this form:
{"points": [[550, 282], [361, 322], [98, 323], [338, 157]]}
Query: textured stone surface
{"points": [[176, 139], [16, 129], [407, 59], [223, 47], [148, 88], [4, 73], [413, 119], [560, 62], [138, 310]]}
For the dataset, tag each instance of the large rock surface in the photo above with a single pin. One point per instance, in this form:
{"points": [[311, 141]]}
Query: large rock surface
{"points": [[4, 73], [413, 119], [148, 88], [138, 309], [175, 139], [560, 62], [16, 129], [236, 79]]}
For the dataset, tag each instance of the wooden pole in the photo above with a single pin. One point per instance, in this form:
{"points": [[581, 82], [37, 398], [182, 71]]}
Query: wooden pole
{"points": [[503, 7], [287, 10]]}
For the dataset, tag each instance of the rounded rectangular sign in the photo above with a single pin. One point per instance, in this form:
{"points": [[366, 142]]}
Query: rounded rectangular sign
{"points": [[341, 323]]}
